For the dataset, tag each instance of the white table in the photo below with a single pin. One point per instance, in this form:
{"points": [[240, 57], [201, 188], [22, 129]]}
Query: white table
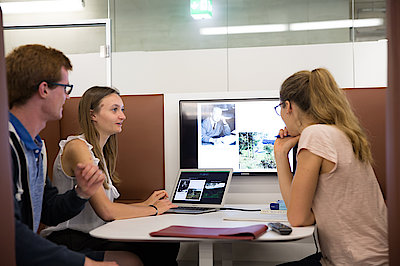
{"points": [[138, 229]]}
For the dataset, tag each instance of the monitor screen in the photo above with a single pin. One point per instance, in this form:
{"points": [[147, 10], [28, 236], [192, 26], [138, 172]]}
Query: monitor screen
{"points": [[235, 133]]}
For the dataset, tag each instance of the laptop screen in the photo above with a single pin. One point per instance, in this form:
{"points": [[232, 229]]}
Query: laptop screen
{"points": [[199, 187]]}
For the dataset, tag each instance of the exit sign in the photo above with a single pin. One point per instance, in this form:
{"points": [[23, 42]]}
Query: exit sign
{"points": [[201, 9]]}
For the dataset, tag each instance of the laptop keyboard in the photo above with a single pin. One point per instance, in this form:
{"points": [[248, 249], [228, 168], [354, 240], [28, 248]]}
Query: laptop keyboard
{"points": [[191, 208]]}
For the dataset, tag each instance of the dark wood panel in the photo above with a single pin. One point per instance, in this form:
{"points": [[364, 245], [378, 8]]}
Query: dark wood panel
{"points": [[7, 230], [393, 129]]}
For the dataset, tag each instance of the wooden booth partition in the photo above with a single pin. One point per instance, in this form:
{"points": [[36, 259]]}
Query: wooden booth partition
{"points": [[51, 137], [140, 163], [393, 129], [7, 224], [369, 104]]}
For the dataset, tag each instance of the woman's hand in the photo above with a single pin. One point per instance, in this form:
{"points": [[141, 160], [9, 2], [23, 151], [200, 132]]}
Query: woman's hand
{"points": [[160, 199], [164, 205], [284, 143], [157, 195]]}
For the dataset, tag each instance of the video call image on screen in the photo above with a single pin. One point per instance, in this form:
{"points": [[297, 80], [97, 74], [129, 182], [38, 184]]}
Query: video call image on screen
{"points": [[238, 134]]}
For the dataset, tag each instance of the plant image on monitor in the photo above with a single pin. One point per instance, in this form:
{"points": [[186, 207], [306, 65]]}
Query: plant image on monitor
{"points": [[256, 151]]}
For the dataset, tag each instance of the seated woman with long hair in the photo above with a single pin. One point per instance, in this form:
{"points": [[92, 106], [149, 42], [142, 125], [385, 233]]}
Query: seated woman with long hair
{"points": [[334, 184], [101, 115]]}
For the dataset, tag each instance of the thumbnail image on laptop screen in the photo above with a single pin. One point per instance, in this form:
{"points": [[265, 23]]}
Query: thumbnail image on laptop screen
{"points": [[201, 187]]}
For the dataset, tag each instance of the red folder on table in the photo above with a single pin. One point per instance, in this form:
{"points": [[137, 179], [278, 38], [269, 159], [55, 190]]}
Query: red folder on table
{"points": [[245, 232]]}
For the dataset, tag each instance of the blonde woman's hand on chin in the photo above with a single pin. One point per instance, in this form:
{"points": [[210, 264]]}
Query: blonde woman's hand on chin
{"points": [[284, 143]]}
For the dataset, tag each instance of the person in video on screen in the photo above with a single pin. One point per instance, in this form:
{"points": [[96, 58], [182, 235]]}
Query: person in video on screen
{"points": [[38, 85], [101, 115], [334, 184], [214, 127]]}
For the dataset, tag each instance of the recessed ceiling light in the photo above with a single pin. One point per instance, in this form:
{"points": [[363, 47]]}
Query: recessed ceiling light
{"points": [[244, 29], [301, 26], [42, 6]]}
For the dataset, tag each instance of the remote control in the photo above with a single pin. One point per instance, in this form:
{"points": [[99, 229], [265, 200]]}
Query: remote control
{"points": [[280, 228]]}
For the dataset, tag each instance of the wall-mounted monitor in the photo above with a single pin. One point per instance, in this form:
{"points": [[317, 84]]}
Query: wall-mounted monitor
{"points": [[234, 133]]}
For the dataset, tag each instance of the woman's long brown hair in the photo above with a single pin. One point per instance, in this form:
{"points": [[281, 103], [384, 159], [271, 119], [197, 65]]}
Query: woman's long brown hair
{"points": [[91, 102]]}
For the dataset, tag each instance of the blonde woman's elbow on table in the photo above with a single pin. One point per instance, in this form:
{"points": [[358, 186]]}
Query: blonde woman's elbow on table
{"points": [[299, 219], [89, 262]]}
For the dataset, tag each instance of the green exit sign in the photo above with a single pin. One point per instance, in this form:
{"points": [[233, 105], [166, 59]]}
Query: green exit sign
{"points": [[201, 9]]}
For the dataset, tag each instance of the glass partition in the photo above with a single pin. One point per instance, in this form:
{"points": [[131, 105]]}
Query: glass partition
{"points": [[70, 40], [162, 25], [285, 22], [158, 47], [85, 40]]}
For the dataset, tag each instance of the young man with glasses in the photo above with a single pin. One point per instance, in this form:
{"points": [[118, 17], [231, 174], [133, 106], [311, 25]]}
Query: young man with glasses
{"points": [[38, 86]]}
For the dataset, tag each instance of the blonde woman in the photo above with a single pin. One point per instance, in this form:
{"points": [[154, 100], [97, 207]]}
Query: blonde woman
{"points": [[101, 115], [334, 184]]}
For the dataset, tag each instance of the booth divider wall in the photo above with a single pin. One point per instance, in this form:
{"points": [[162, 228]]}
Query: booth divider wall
{"points": [[140, 163], [141, 144], [369, 104]]}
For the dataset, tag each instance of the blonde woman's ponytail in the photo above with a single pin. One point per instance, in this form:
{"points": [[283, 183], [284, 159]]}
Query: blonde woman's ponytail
{"points": [[319, 96]]}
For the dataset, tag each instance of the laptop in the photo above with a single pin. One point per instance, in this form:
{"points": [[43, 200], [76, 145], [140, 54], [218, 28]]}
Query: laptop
{"points": [[200, 190]]}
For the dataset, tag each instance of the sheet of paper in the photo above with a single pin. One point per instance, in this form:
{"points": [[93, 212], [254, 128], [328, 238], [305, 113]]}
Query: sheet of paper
{"points": [[263, 216]]}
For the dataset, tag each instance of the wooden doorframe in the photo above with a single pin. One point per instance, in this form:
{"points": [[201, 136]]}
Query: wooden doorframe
{"points": [[393, 130], [7, 224]]}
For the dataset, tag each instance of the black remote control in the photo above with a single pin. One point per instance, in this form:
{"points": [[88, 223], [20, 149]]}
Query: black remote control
{"points": [[280, 228]]}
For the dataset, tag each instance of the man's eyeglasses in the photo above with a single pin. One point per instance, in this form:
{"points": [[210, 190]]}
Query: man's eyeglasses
{"points": [[278, 109], [67, 87]]}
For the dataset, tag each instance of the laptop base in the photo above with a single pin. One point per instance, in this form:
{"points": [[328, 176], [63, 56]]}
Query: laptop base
{"points": [[191, 210]]}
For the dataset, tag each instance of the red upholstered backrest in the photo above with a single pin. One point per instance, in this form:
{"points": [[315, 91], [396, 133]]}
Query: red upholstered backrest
{"points": [[369, 104]]}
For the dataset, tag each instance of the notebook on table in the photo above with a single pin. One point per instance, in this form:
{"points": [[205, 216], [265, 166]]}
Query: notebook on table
{"points": [[243, 233], [200, 190]]}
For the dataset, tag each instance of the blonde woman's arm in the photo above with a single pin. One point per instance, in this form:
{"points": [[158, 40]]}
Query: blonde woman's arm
{"points": [[303, 188], [298, 191], [282, 146]]}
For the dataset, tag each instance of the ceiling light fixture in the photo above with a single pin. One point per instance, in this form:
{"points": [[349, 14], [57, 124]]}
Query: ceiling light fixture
{"points": [[42, 6], [244, 29], [336, 24], [303, 26]]}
